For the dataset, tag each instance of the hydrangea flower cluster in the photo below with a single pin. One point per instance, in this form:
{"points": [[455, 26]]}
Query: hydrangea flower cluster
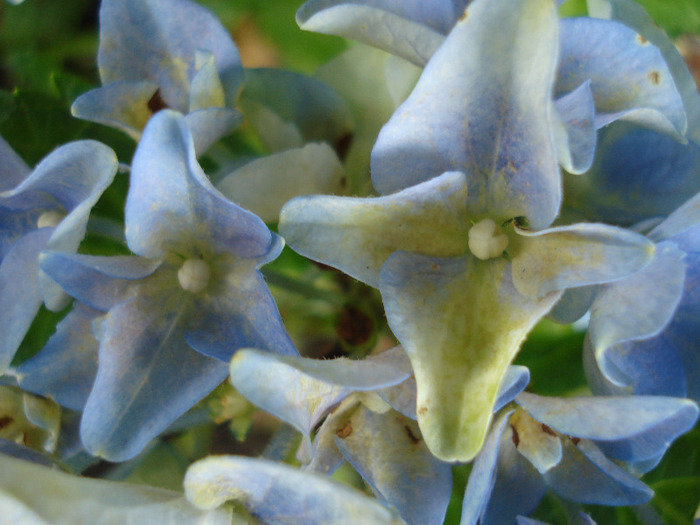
{"points": [[466, 175]]}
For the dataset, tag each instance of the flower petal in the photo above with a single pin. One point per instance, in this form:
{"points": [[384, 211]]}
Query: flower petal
{"points": [[390, 455], [357, 235], [577, 255], [157, 40], [275, 491], [629, 77], [483, 106], [629, 428], [264, 185], [576, 144], [461, 322], [65, 368], [19, 291], [172, 206], [13, 170], [210, 124], [148, 375]]}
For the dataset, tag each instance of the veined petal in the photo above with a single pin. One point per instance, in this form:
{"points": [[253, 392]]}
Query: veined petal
{"points": [[587, 476], [577, 255], [401, 28], [99, 282], [239, 312], [13, 170], [264, 185], [461, 322], [157, 40], [65, 368], [172, 206], [19, 291], [316, 111], [628, 428], [389, 453], [576, 137], [357, 235], [121, 105], [275, 491], [483, 106], [629, 77], [148, 376]]}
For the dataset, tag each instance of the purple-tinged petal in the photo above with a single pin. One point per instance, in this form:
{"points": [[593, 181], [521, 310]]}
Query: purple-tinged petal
{"points": [[577, 255], [20, 298], [157, 40], [587, 476], [276, 493], [634, 16], [13, 170], [629, 428], [317, 112], [483, 106], [390, 455], [121, 105], [264, 185], [172, 206], [239, 312], [65, 369], [148, 376], [637, 173], [629, 77], [357, 235], [461, 322], [576, 139], [481, 478], [210, 124], [99, 282]]}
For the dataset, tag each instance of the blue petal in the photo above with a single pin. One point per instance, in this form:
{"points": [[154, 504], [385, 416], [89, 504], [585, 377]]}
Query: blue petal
{"points": [[573, 305], [99, 282], [390, 455], [210, 124], [629, 428], [148, 376], [122, 105], [65, 368], [13, 170], [275, 493], [587, 476], [685, 217], [516, 379], [19, 291], [357, 235], [172, 206], [240, 313], [156, 41], [629, 77], [576, 145], [483, 106], [14, 224]]}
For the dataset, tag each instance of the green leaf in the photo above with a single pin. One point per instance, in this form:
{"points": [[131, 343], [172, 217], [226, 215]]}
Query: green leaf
{"points": [[675, 17]]}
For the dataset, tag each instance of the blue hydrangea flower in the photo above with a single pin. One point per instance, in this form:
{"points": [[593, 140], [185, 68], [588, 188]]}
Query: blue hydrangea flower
{"points": [[162, 53], [177, 310], [462, 280], [643, 330], [44, 208], [573, 446]]}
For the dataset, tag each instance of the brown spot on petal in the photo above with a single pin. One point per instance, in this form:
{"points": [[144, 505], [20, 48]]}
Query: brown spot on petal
{"points": [[515, 437], [345, 431], [641, 40], [548, 430], [422, 410], [654, 77], [156, 102], [6, 421], [463, 17], [342, 145], [411, 435], [575, 440]]}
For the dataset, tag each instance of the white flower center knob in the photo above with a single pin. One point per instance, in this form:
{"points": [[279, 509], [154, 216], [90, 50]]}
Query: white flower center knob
{"points": [[50, 218], [194, 275], [487, 240]]}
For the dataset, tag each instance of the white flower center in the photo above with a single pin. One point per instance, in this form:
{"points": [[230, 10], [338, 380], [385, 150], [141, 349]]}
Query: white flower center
{"points": [[487, 240], [194, 275], [50, 218]]}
